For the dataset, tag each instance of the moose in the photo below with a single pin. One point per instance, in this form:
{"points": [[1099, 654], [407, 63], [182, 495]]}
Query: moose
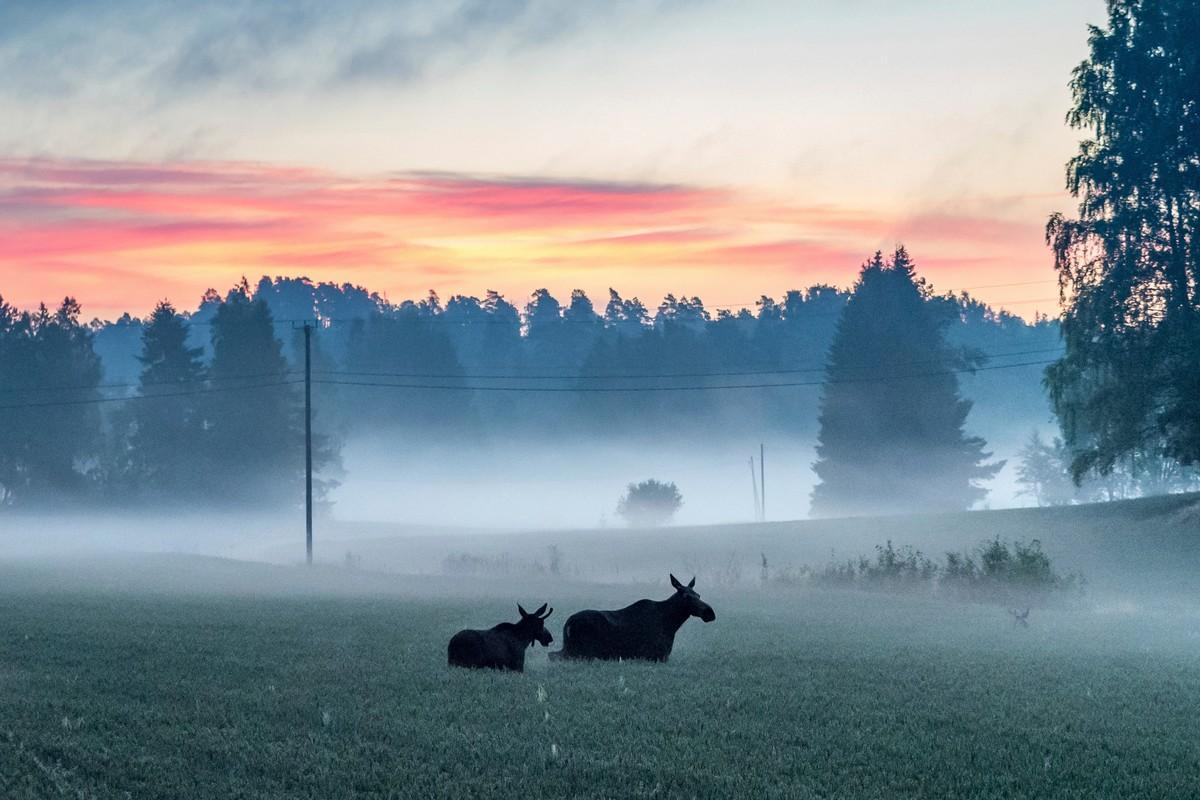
{"points": [[501, 647], [645, 630]]}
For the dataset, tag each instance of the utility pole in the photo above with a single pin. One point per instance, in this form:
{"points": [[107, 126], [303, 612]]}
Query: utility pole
{"points": [[754, 483], [762, 479], [308, 441]]}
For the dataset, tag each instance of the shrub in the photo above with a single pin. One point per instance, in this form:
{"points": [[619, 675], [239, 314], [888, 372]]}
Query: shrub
{"points": [[649, 503], [996, 572], [893, 569], [1020, 574]]}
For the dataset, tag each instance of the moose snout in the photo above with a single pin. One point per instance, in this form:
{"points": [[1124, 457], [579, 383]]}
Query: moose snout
{"points": [[708, 615]]}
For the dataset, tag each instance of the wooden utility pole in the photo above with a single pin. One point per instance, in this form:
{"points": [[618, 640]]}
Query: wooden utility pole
{"points": [[754, 483], [308, 441], [762, 479]]}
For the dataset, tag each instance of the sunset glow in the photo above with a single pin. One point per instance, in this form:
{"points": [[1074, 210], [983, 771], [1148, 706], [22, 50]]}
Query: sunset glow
{"points": [[718, 149], [124, 235]]}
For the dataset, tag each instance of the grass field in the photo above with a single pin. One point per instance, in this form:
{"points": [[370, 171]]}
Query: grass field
{"points": [[178, 677], [1148, 547]]}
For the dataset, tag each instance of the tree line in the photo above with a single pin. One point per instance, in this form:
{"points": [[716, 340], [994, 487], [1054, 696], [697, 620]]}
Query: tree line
{"points": [[187, 429], [205, 405]]}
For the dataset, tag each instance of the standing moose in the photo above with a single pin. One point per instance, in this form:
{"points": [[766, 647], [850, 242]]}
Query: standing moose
{"points": [[645, 630], [501, 647]]}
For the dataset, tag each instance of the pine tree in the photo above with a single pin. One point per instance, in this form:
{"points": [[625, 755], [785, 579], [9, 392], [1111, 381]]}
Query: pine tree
{"points": [[255, 441], [1045, 474], [166, 435], [411, 341], [48, 448], [891, 424], [583, 326]]}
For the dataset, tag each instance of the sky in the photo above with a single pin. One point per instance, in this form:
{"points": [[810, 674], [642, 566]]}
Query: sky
{"points": [[724, 149]]}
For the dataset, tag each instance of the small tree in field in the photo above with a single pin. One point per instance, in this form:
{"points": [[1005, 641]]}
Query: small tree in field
{"points": [[1045, 472], [649, 503]]}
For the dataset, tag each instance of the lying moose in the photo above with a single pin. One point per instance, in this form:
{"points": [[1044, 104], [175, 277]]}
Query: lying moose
{"points": [[501, 647], [644, 630]]}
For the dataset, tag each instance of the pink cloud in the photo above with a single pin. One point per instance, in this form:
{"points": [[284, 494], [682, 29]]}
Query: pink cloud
{"points": [[144, 226], [89, 237], [944, 227], [787, 252]]}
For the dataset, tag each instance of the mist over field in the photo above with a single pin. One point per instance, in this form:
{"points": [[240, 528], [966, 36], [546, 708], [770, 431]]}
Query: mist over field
{"points": [[481, 413], [576, 483]]}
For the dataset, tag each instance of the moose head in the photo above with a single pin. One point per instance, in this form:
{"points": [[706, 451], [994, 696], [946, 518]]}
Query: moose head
{"points": [[695, 606], [533, 625]]}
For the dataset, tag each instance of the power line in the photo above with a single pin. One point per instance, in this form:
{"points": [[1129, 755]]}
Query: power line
{"points": [[1005, 285], [633, 376], [138, 385], [496, 376], [97, 400], [1021, 302], [209, 322], [637, 389]]}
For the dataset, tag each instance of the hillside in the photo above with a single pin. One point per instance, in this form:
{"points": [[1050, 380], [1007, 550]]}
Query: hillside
{"points": [[1136, 546]]}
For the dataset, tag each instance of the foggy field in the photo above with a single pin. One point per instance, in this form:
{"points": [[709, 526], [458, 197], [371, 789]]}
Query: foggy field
{"points": [[174, 676], [1147, 548]]}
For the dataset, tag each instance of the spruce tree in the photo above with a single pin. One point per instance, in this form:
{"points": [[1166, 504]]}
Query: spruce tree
{"points": [[50, 433], [166, 435], [412, 345], [255, 441], [891, 424]]}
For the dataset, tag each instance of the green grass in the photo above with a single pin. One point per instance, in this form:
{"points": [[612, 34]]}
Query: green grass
{"points": [[112, 690]]}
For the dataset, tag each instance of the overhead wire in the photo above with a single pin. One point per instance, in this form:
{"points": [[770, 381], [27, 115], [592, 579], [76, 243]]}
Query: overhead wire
{"points": [[137, 397], [639, 389], [643, 375], [137, 385]]}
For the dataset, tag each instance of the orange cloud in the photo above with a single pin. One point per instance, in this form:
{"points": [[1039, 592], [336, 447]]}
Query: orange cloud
{"points": [[122, 235]]}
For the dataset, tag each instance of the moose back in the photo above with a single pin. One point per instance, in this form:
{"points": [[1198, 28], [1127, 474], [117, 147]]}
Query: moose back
{"points": [[644, 630]]}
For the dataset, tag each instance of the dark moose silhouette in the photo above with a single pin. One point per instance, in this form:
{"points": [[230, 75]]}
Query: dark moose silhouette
{"points": [[644, 630], [501, 647]]}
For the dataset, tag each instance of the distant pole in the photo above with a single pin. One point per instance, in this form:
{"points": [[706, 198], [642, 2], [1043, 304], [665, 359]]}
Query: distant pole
{"points": [[308, 441], [754, 483], [762, 479]]}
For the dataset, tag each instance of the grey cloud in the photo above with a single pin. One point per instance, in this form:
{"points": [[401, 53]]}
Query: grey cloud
{"points": [[166, 51], [238, 43], [473, 29]]}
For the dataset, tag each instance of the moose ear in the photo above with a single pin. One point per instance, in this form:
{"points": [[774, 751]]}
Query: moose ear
{"points": [[538, 613], [692, 585], [675, 582], [521, 608], [547, 614]]}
